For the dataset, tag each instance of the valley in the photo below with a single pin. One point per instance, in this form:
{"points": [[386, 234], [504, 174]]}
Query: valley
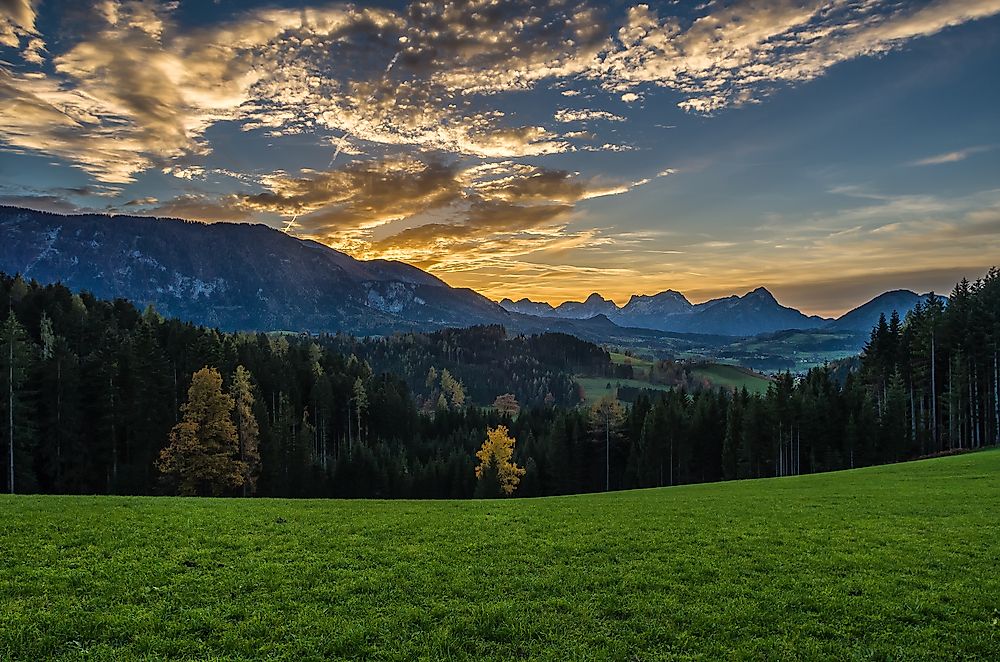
{"points": [[474, 330], [266, 280]]}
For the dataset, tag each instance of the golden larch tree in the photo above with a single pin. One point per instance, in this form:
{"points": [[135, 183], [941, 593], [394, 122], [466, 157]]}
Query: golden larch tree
{"points": [[247, 430], [203, 453], [453, 388], [496, 467]]}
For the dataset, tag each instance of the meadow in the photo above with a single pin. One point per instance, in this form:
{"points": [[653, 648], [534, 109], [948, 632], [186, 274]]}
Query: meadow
{"points": [[716, 374], [894, 562], [732, 376]]}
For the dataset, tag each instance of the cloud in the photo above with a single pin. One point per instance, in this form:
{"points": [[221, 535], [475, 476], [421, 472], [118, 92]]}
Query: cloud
{"points": [[485, 221], [52, 203], [439, 216], [586, 115], [359, 196], [192, 206], [136, 90], [952, 157], [17, 21], [736, 53], [123, 99], [533, 184]]}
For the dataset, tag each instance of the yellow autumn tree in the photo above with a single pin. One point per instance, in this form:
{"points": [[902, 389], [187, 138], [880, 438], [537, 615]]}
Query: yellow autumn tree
{"points": [[247, 431], [453, 389], [203, 453], [497, 473]]}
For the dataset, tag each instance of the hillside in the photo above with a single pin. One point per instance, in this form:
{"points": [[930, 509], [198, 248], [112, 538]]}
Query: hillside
{"points": [[234, 276], [895, 562], [242, 277], [865, 317]]}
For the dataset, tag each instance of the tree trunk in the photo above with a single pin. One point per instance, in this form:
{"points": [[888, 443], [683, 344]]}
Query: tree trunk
{"points": [[972, 414], [951, 408], [114, 441], [913, 416], [978, 418], [996, 399], [176, 407], [242, 444], [607, 452], [923, 437], [671, 460], [934, 421], [59, 430], [10, 408]]}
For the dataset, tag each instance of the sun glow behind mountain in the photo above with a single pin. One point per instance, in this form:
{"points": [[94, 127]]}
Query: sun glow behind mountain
{"points": [[826, 150]]}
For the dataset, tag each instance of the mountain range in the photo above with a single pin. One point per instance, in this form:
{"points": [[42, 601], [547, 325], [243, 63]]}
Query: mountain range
{"points": [[239, 276], [233, 276], [754, 313]]}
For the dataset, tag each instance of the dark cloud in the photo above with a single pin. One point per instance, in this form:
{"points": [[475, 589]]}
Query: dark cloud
{"points": [[361, 195], [51, 203], [195, 207], [485, 221]]}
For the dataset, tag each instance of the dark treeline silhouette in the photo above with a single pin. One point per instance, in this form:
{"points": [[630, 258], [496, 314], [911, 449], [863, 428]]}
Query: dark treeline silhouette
{"points": [[934, 376], [92, 389]]}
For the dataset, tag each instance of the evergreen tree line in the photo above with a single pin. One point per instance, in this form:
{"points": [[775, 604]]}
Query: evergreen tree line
{"points": [[94, 391], [935, 374]]}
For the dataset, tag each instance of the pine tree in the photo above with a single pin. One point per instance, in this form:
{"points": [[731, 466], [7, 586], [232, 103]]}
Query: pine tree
{"points": [[16, 355], [57, 410], [606, 415], [733, 438], [360, 399]]}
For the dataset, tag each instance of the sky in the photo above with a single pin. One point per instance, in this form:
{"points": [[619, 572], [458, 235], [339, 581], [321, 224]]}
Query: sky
{"points": [[827, 150]]}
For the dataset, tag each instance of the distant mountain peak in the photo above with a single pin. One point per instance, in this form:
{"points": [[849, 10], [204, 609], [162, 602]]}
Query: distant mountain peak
{"points": [[668, 295], [865, 316], [595, 298], [526, 306], [761, 294], [895, 293]]}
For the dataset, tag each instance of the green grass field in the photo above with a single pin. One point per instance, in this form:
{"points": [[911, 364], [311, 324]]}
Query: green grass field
{"points": [[721, 374], [717, 374], [619, 359], [898, 562], [596, 388]]}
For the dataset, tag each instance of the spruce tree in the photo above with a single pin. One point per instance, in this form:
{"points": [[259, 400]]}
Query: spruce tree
{"points": [[16, 355]]}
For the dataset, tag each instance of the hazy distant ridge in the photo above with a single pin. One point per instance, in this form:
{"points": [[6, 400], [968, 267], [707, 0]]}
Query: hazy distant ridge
{"points": [[253, 277]]}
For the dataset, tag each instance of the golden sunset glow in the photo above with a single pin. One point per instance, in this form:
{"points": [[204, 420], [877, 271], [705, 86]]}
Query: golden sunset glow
{"points": [[532, 150]]}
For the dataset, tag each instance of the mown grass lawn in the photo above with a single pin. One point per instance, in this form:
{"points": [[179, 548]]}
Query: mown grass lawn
{"points": [[899, 562]]}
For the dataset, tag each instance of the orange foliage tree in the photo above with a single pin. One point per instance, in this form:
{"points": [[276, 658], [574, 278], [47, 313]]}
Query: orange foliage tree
{"points": [[204, 451]]}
